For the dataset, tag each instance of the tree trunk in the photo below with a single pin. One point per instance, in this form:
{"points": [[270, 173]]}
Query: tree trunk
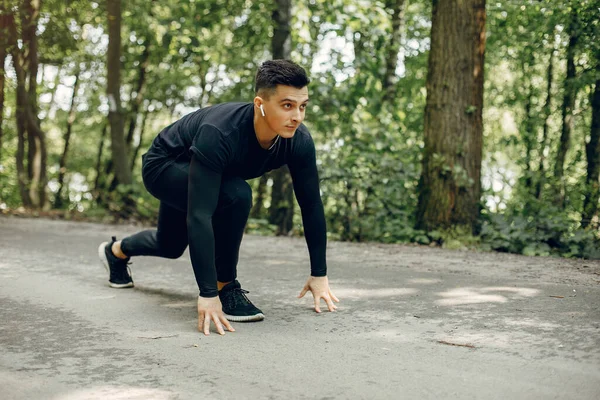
{"points": [[282, 41], [282, 201], [547, 113], [592, 151], [259, 199], [347, 217], [567, 108], [139, 97], [3, 50], [36, 141], [528, 135], [450, 185], [99, 161], [21, 100], [282, 192], [62, 165], [389, 79], [140, 143], [115, 114]]}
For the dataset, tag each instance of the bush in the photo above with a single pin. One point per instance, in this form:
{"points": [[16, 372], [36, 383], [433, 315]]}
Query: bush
{"points": [[550, 232]]}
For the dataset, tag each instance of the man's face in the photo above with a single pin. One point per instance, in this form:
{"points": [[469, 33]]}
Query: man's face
{"points": [[285, 109]]}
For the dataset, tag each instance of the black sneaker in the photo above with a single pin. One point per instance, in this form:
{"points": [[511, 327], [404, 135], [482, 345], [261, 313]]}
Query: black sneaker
{"points": [[236, 305], [119, 276]]}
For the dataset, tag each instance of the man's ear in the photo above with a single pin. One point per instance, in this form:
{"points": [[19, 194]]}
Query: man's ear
{"points": [[258, 103]]}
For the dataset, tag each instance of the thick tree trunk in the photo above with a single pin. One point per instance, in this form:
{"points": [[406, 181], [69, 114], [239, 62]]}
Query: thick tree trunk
{"points": [[547, 113], [21, 111], [62, 165], [592, 151], [282, 192], [450, 185], [115, 114], [567, 108], [389, 79]]}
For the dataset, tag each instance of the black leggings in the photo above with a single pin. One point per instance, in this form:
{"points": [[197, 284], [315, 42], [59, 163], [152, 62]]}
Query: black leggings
{"points": [[170, 239]]}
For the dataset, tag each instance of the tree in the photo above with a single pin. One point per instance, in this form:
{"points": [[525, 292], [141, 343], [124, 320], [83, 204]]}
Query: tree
{"points": [[282, 194], [389, 79], [115, 114], [450, 187], [4, 35], [62, 165], [570, 92], [547, 114], [592, 151], [31, 177]]}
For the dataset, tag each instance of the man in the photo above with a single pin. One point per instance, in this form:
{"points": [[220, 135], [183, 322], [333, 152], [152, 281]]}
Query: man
{"points": [[198, 166]]}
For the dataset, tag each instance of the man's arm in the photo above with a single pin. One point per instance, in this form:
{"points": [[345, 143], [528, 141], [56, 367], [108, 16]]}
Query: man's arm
{"points": [[210, 155], [305, 179], [306, 186], [203, 195]]}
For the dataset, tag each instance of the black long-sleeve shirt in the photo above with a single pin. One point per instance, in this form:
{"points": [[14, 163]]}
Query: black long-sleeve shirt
{"points": [[220, 141]]}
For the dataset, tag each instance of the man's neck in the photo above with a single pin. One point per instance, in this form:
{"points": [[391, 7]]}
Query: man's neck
{"points": [[265, 136]]}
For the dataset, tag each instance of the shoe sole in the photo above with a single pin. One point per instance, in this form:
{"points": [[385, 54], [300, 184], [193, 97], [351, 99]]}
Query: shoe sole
{"points": [[245, 318], [104, 261]]}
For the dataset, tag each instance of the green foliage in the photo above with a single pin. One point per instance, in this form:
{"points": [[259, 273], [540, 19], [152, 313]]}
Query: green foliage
{"points": [[369, 149], [260, 227], [550, 232]]}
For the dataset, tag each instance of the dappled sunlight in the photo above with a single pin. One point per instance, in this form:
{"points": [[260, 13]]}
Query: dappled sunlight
{"points": [[166, 293], [277, 262], [468, 296], [353, 293], [506, 339], [531, 322], [481, 295], [524, 292], [423, 281], [117, 393]]}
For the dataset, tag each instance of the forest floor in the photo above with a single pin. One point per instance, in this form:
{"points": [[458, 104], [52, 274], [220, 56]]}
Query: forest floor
{"points": [[413, 322]]}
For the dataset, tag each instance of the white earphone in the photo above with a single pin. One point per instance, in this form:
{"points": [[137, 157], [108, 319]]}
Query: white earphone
{"points": [[262, 111]]}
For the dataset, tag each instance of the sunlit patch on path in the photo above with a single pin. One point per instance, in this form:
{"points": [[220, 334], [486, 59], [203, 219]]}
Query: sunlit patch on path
{"points": [[469, 295]]}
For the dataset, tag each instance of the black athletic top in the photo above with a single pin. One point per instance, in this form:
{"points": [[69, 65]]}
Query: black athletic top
{"points": [[220, 141]]}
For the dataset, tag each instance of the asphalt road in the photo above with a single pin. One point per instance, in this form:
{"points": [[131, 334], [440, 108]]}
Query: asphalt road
{"points": [[413, 322]]}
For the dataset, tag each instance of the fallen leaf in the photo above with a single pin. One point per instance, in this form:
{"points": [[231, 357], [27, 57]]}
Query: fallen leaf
{"points": [[456, 344], [156, 337]]}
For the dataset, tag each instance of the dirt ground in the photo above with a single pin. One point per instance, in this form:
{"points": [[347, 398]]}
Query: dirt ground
{"points": [[413, 322]]}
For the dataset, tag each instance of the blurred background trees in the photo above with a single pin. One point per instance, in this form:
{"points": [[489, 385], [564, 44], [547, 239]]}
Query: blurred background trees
{"points": [[475, 127]]}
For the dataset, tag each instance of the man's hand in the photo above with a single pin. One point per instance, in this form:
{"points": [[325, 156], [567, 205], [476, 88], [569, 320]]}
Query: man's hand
{"points": [[319, 287], [209, 308]]}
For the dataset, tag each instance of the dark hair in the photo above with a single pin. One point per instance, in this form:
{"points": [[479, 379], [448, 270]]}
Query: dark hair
{"points": [[280, 72]]}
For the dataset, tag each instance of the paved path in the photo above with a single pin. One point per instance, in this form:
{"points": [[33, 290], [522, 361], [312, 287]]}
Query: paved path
{"points": [[414, 323]]}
